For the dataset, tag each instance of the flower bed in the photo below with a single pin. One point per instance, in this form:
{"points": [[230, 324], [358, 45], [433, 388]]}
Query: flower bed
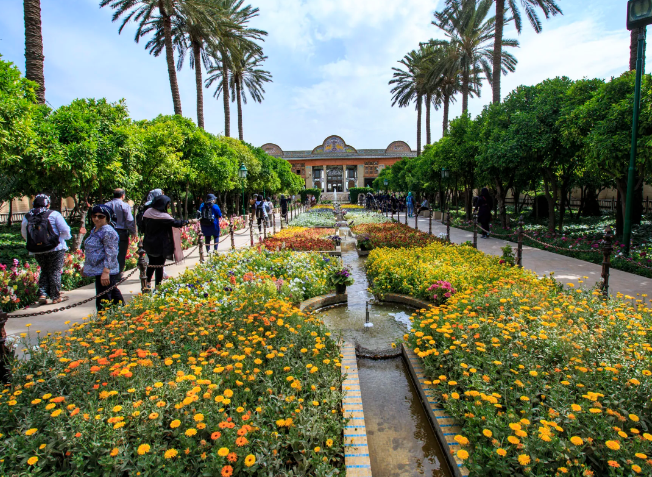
{"points": [[314, 219], [352, 206], [411, 271], [361, 218], [301, 239], [393, 235], [169, 386]]}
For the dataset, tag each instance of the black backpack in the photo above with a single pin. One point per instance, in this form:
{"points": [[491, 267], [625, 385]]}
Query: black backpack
{"points": [[206, 216], [259, 209], [40, 234]]}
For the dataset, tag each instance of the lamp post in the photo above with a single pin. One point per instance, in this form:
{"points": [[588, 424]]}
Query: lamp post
{"points": [[639, 15], [242, 172], [445, 174]]}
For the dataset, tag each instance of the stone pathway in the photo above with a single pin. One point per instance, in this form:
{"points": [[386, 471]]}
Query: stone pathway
{"points": [[542, 262], [62, 320]]}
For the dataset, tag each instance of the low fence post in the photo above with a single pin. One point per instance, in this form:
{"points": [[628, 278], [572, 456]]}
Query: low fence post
{"points": [[392, 214], [519, 250], [265, 229], [232, 233], [406, 214], [251, 229], [273, 222], [416, 220], [607, 248], [448, 226], [475, 230], [430, 222], [142, 266], [200, 244], [5, 372], [280, 216]]}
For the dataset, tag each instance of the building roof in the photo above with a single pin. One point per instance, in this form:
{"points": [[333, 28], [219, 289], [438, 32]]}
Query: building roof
{"points": [[336, 147]]}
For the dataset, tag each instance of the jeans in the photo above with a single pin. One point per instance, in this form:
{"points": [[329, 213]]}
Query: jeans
{"points": [[208, 242], [114, 297], [158, 271], [49, 282], [410, 209]]}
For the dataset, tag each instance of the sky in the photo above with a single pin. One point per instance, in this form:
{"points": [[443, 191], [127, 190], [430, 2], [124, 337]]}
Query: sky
{"points": [[331, 61]]}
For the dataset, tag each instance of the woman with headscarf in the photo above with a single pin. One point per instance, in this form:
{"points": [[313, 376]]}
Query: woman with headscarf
{"points": [[409, 200], [484, 206], [284, 208], [160, 242], [153, 194], [209, 220], [101, 251], [46, 232]]}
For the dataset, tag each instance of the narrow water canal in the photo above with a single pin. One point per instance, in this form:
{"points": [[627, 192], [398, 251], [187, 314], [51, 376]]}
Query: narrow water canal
{"points": [[400, 438]]}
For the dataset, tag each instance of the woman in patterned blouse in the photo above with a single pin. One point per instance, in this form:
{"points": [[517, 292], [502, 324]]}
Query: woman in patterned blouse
{"points": [[101, 250]]}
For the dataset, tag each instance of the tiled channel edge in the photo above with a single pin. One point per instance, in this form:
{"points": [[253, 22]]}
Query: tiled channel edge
{"points": [[445, 426], [356, 450]]}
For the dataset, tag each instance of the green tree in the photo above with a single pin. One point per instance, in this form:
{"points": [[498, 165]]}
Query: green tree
{"points": [[247, 76]]}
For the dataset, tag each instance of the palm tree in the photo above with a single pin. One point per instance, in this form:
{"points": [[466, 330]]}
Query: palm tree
{"points": [[144, 12], [549, 7], [247, 76], [410, 84], [464, 23], [34, 46]]}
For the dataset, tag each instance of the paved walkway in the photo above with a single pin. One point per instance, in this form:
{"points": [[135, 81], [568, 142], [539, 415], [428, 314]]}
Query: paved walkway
{"points": [[62, 320], [542, 262]]}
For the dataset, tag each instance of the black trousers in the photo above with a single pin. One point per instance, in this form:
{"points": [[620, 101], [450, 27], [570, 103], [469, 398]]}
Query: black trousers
{"points": [[123, 246], [159, 270], [114, 297], [49, 282], [484, 223]]}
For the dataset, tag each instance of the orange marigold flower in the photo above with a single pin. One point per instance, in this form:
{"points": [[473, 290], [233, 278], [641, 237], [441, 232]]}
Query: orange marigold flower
{"points": [[241, 441], [613, 463], [232, 457], [227, 471], [216, 435]]}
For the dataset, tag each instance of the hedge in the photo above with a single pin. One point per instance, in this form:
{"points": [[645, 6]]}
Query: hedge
{"points": [[355, 191]]}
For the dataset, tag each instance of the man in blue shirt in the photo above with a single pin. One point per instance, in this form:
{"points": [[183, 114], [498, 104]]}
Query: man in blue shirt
{"points": [[125, 224], [210, 215]]}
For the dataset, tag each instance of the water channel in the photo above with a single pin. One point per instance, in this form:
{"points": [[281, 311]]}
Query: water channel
{"points": [[400, 438]]}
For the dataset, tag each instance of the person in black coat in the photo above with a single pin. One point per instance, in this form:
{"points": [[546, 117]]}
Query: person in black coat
{"points": [[159, 242], [484, 206]]}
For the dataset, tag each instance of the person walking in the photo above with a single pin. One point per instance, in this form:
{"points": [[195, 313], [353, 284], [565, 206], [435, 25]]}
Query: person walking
{"points": [[46, 232], [409, 201], [102, 252], [269, 208], [153, 194], [160, 242], [125, 225], [284, 208], [259, 211], [209, 221], [484, 206]]}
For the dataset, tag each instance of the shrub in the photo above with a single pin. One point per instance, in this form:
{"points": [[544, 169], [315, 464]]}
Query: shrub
{"points": [[306, 192], [356, 191]]}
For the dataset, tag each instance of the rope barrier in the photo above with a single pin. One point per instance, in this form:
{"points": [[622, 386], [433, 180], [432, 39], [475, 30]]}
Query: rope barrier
{"points": [[560, 248]]}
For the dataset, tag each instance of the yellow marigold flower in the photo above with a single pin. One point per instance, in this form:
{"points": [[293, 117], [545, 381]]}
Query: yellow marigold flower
{"points": [[191, 432], [114, 452], [329, 442], [56, 413], [170, 453], [577, 440], [317, 449], [647, 436], [50, 406], [461, 440], [462, 454], [513, 440], [641, 455], [576, 407], [117, 408], [30, 432], [143, 449], [153, 415], [36, 401], [524, 459], [501, 452], [176, 423], [634, 417], [636, 469], [250, 460], [315, 403], [32, 460], [534, 373], [487, 433], [228, 393], [198, 417], [223, 452], [613, 445]]}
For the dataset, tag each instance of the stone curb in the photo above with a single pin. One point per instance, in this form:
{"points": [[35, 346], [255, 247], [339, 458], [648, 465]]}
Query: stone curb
{"points": [[404, 300], [322, 301], [445, 426]]}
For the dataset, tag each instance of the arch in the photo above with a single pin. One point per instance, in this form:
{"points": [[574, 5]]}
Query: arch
{"points": [[397, 147], [272, 149], [334, 145]]}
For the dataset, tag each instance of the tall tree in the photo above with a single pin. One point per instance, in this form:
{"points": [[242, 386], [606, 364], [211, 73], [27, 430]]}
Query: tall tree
{"points": [[143, 13], [549, 7], [465, 24], [444, 78], [248, 76], [34, 46]]}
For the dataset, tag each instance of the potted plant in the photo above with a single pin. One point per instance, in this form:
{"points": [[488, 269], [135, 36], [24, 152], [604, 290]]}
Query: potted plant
{"points": [[340, 279]]}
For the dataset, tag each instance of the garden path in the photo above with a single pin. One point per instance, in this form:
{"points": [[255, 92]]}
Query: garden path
{"points": [[61, 321], [542, 262]]}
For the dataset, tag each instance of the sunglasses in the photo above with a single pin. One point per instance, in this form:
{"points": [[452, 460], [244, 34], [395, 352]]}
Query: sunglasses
{"points": [[98, 216]]}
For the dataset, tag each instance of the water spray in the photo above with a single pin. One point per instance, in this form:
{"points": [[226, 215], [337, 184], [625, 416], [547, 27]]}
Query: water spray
{"points": [[367, 323]]}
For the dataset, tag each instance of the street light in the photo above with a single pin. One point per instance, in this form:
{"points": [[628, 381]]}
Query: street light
{"points": [[242, 172], [445, 173], [639, 15]]}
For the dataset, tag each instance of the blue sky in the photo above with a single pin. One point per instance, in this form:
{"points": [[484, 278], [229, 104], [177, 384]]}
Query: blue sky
{"points": [[331, 61]]}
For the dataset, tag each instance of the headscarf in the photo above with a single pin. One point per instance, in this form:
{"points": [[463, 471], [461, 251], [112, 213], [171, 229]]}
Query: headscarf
{"points": [[106, 211], [160, 203], [153, 194], [41, 204], [409, 194], [210, 199]]}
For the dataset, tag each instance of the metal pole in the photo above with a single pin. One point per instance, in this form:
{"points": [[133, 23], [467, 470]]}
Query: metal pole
{"points": [[627, 226], [475, 230], [273, 222], [430, 222], [142, 266], [200, 244], [264, 229], [406, 214], [251, 229], [232, 232], [5, 372], [519, 250], [448, 225], [416, 220], [243, 201], [606, 261]]}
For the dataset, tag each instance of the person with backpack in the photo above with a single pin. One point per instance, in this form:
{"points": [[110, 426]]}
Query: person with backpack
{"points": [[269, 208], [46, 232], [284, 207], [259, 211], [409, 201], [209, 220], [125, 225], [102, 250], [160, 242]]}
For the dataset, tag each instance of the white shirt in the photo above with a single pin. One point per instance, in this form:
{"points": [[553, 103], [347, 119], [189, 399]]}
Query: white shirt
{"points": [[59, 226]]}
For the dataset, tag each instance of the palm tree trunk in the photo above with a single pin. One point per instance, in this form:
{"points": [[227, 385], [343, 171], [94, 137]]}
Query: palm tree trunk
{"points": [[419, 107], [169, 55], [498, 49], [238, 88], [465, 89], [447, 103], [196, 50], [428, 101], [225, 95], [34, 46]]}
